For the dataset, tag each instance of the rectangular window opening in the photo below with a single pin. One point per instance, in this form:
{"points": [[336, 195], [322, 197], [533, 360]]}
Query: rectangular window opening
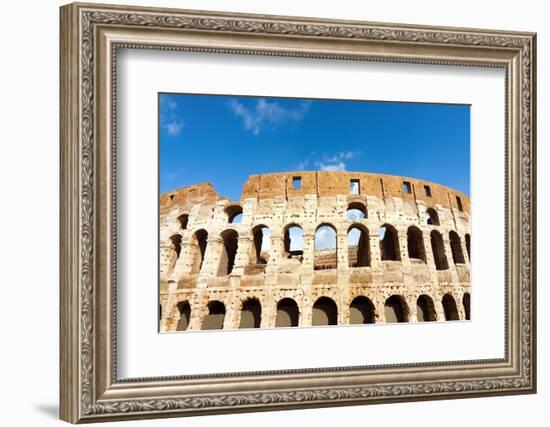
{"points": [[297, 182], [459, 203], [407, 187], [354, 186], [427, 191]]}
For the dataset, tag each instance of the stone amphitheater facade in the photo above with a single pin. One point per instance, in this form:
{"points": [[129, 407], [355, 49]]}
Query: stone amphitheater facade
{"points": [[398, 251]]}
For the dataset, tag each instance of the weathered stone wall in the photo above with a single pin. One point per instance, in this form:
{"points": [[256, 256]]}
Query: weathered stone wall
{"points": [[192, 266]]}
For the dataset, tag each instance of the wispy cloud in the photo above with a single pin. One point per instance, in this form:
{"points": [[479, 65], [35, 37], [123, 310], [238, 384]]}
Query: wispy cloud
{"points": [[173, 175], [170, 117], [268, 114], [329, 162]]}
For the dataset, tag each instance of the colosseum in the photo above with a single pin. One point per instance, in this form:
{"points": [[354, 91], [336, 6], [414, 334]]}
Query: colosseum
{"points": [[314, 248]]}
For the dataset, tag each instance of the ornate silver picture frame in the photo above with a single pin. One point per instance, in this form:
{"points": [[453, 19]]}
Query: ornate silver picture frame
{"points": [[91, 36]]}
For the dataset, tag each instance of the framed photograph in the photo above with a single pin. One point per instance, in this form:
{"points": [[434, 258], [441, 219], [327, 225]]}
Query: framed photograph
{"points": [[267, 212]]}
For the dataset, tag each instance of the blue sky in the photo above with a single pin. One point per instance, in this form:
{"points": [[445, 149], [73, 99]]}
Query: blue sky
{"points": [[224, 139]]}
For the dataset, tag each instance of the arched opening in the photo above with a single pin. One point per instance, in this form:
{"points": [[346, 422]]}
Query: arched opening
{"points": [[183, 220], [358, 246], [467, 237], [415, 244], [215, 316], [262, 243], [361, 311], [355, 211], [456, 248], [175, 251], [287, 313], [251, 314], [294, 242], [389, 243], [438, 250], [234, 214], [449, 307], [325, 312], [432, 218], [230, 240], [325, 248], [425, 310], [466, 304], [396, 310], [199, 239], [184, 310]]}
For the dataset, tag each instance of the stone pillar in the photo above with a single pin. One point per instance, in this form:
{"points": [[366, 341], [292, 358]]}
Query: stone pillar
{"points": [[275, 253], [379, 309], [375, 255], [403, 247], [309, 250], [242, 257], [343, 313], [269, 314], [165, 253], [438, 307], [306, 313], [427, 238], [210, 264], [411, 303], [232, 313], [198, 310], [465, 251], [184, 264], [449, 255], [342, 252], [460, 307]]}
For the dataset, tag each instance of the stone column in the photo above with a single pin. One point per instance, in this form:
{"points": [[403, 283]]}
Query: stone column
{"points": [[184, 264], [375, 255], [426, 236], [343, 313], [380, 312], [309, 250], [449, 255], [165, 252], [210, 264], [275, 253], [342, 252], [460, 307], [306, 313], [465, 251], [411, 303], [198, 310], [232, 313], [269, 314], [403, 247], [438, 307], [242, 257]]}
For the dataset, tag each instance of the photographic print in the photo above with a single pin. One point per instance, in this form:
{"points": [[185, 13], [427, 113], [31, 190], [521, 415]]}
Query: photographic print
{"points": [[287, 212]]}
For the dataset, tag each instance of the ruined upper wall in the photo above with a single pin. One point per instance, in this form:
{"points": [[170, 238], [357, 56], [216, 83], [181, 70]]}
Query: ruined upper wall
{"points": [[267, 186], [186, 197]]}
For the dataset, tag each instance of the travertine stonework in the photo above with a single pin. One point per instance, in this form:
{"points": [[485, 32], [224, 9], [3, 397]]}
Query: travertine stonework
{"points": [[411, 263]]}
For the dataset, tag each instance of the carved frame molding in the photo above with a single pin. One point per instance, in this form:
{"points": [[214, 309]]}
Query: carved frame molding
{"points": [[90, 37]]}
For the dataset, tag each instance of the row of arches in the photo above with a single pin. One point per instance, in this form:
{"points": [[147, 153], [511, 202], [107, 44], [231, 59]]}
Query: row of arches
{"points": [[356, 210], [325, 246], [325, 312]]}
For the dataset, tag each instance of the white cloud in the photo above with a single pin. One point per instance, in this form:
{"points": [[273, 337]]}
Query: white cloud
{"points": [[174, 128], [336, 167], [335, 162], [267, 114], [170, 118]]}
